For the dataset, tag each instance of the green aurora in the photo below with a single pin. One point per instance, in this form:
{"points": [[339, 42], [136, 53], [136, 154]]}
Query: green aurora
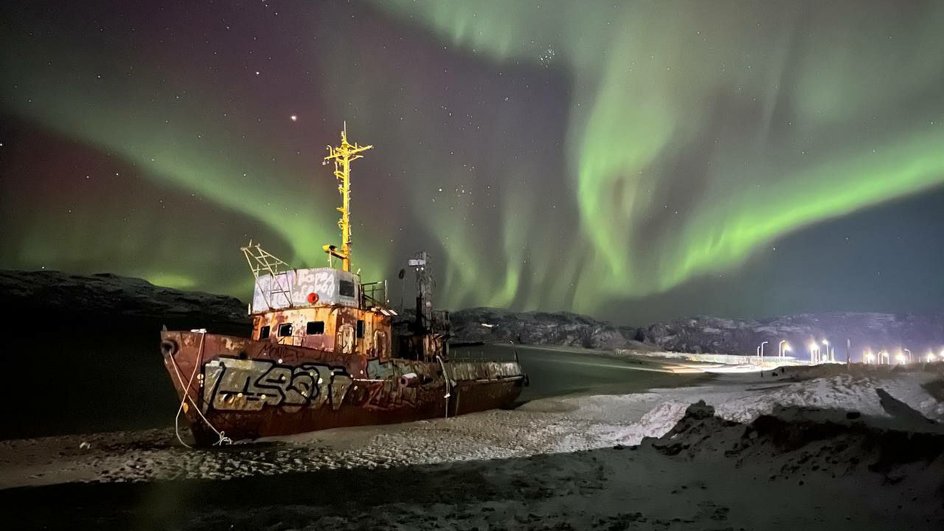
{"points": [[645, 75], [644, 145]]}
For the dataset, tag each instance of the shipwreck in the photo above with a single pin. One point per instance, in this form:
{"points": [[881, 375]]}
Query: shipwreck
{"points": [[327, 350]]}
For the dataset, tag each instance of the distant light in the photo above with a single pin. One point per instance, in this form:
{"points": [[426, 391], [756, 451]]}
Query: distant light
{"points": [[294, 118]]}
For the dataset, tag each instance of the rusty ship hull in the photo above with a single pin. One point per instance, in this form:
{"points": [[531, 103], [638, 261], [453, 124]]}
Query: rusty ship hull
{"points": [[235, 388], [324, 351]]}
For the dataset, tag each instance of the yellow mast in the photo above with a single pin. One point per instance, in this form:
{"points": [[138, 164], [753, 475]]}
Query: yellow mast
{"points": [[342, 156]]}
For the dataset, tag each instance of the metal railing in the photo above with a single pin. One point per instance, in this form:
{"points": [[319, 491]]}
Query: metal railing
{"points": [[375, 293]]}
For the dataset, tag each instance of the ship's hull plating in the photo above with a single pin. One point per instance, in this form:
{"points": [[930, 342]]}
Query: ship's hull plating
{"points": [[248, 389]]}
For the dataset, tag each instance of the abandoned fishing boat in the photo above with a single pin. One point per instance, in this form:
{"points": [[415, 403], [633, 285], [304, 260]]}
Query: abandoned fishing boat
{"points": [[325, 351]]}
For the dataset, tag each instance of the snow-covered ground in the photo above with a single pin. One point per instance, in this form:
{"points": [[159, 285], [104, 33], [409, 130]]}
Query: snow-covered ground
{"points": [[830, 457]]}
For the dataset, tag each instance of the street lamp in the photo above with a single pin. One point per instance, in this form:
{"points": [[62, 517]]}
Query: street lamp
{"points": [[782, 347], [900, 358], [910, 357], [868, 357], [814, 350], [761, 347], [826, 344]]}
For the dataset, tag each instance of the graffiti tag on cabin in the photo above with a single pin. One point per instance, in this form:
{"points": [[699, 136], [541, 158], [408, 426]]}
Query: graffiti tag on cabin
{"points": [[322, 283], [291, 288], [232, 384]]}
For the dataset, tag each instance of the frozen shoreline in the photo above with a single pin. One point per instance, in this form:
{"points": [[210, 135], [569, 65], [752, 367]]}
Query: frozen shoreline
{"points": [[579, 440]]}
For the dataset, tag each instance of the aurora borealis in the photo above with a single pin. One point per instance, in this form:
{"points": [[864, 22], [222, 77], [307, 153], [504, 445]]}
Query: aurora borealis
{"points": [[634, 160]]}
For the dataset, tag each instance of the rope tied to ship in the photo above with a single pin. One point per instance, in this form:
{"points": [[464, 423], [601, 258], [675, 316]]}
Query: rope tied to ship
{"points": [[446, 378], [223, 439]]}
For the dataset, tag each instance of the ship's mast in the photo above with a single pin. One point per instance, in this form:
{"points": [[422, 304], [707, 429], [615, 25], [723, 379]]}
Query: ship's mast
{"points": [[342, 156]]}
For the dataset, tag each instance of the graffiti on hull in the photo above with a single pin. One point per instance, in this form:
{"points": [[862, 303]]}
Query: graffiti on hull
{"points": [[232, 384]]}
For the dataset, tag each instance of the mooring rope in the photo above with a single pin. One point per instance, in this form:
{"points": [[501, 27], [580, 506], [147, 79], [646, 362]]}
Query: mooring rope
{"points": [[445, 377], [223, 439]]}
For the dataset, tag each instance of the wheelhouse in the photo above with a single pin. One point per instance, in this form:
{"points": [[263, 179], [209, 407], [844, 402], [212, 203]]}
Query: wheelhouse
{"points": [[322, 308]]}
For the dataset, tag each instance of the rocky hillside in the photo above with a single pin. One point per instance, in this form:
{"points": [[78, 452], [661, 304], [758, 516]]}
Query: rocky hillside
{"points": [[739, 336], [709, 334], [113, 297], [540, 328]]}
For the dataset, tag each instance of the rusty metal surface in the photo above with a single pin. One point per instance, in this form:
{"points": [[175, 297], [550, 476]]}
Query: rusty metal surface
{"points": [[487, 370], [340, 326], [250, 389]]}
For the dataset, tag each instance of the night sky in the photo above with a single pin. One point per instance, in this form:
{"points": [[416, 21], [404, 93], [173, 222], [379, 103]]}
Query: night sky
{"points": [[630, 160]]}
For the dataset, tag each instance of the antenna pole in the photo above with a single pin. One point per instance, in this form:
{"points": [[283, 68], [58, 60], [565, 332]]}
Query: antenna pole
{"points": [[342, 156]]}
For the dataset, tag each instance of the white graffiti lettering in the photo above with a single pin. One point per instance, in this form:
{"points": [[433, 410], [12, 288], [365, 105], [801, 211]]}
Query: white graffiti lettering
{"points": [[250, 385]]}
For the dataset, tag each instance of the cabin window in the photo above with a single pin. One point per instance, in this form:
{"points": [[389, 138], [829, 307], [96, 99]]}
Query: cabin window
{"points": [[360, 328], [264, 332], [315, 328], [346, 288], [285, 329]]}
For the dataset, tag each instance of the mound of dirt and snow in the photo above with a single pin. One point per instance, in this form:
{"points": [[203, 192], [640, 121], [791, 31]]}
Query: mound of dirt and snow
{"points": [[891, 398], [803, 439]]}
